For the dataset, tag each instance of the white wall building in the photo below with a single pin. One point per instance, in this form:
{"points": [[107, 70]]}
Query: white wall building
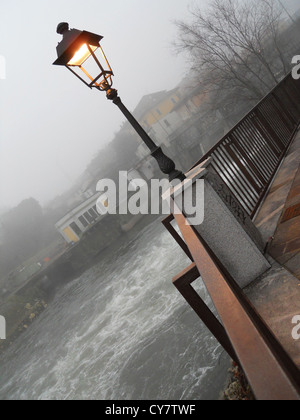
{"points": [[74, 224]]}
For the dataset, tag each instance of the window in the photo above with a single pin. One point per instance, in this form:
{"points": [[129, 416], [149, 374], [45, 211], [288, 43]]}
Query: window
{"points": [[174, 101], [158, 111], [88, 217], [83, 221], [93, 214], [76, 228]]}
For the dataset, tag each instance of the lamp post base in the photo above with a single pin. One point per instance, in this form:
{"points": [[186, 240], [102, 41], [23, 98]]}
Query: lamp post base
{"points": [[166, 165]]}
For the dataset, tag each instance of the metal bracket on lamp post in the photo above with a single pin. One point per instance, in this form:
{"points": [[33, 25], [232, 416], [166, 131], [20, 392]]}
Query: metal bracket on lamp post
{"points": [[166, 165]]}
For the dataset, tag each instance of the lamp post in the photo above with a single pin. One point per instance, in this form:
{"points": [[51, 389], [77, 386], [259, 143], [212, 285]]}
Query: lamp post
{"points": [[82, 54]]}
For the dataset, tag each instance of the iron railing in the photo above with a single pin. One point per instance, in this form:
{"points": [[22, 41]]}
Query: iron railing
{"points": [[248, 157]]}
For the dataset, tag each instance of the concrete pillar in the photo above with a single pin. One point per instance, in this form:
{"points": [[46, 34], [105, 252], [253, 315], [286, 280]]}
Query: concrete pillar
{"points": [[226, 228]]}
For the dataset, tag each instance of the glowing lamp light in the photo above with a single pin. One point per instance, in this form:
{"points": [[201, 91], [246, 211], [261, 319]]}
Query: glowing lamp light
{"points": [[82, 54]]}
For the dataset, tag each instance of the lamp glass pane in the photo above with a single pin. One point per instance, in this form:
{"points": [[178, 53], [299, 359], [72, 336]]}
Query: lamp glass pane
{"points": [[81, 55], [92, 69]]}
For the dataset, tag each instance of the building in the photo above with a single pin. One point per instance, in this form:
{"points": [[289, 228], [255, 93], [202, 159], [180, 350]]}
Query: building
{"points": [[154, 107], [154, 114], [174, 120], [82, 218], [178, 121], [79, 220]]}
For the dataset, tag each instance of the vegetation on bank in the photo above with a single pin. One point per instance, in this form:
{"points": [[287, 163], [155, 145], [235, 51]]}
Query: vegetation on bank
{"points": [[238, 388], [20, 312]]}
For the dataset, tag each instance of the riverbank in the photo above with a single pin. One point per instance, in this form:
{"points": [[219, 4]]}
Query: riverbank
{"points": [[237, 388], [28, 314], [22, 307]]}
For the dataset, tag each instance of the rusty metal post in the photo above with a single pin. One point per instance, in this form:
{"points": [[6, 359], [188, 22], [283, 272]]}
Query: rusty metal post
{"points": [[183, 283], [270, 371]]}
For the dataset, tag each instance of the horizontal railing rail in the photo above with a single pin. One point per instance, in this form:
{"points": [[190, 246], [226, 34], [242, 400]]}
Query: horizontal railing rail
{"points": [[248, 157]]}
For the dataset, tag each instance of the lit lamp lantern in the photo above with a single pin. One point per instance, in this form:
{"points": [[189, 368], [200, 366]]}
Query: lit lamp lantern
{"points": [[82, 54]]}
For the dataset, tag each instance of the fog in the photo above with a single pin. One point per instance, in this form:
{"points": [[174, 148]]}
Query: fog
{"points": [[51, 124], [58, 139]]}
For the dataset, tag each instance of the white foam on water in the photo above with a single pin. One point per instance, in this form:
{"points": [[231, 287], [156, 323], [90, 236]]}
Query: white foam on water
{"points": [[81, 345]]}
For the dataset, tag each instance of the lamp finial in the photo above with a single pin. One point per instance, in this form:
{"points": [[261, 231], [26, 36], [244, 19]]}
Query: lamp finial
{"points": [[62, 28]]}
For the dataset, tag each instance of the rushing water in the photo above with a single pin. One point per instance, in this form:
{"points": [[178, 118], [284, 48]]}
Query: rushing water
{"points": [[120, 331]]}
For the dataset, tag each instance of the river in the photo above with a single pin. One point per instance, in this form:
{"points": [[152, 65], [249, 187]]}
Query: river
{"points": [[120, 331]]}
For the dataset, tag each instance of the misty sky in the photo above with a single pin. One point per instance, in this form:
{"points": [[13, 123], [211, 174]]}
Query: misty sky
{"points": [[51, 125]]}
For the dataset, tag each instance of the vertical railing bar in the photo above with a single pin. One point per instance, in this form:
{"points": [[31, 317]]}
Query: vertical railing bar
{"points": [[245, 187], [269, 110], [261, 141], [245, 201], [230, 185], [233, 174], [254, 141], [283, 111], [273, 115], [243, 168], [250, 134], [245, 191], [263, 160], [259, 164], [254, 170], [262, 129], [294, 108], [275, 119]]}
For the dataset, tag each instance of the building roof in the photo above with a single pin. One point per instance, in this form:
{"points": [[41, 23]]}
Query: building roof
{"points": [[77, 209], [150, 101]]}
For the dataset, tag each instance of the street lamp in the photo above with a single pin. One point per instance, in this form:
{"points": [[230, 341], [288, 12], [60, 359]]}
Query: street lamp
{"points": [[82, 54]]}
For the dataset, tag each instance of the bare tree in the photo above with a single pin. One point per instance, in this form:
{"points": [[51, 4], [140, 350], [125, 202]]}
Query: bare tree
{"points": [[236, 46]]}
